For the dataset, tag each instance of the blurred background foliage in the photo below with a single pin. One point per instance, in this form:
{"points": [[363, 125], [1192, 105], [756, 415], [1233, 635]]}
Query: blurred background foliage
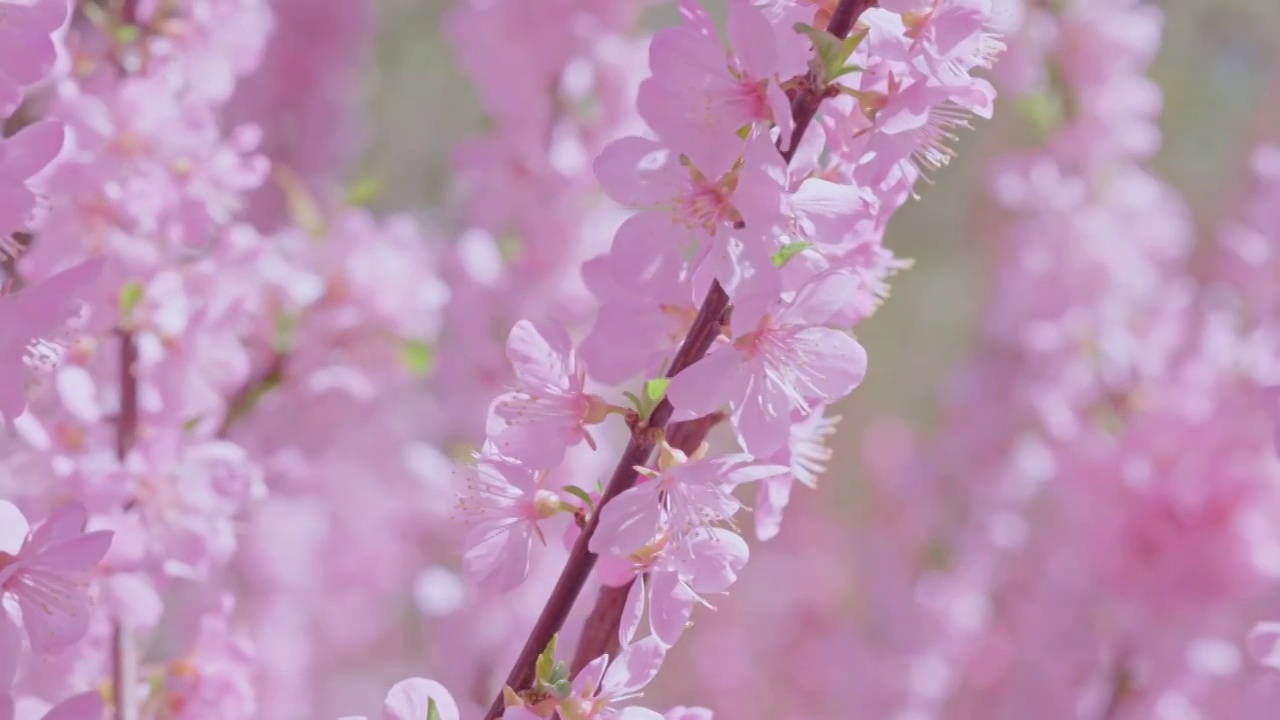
{"points": [[1215, 67]]}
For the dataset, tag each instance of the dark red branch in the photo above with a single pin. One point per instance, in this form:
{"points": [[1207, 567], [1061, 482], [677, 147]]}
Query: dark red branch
{"points": [[705, 328], [124, 653], [702, 333]]}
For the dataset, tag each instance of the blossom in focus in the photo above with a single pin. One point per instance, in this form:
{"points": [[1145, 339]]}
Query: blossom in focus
{"points": [[550, 409], [45, 573]]}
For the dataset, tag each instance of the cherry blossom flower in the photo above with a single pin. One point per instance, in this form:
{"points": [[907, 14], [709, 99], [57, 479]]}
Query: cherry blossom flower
{"points": [[45, 573]]}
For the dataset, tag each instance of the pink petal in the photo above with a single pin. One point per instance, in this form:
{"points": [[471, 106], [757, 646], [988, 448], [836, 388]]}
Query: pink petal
{"points": [[28, 152], [819, 299], [707, 385], [679, 56], [632, 612], [762, 417], [628, 522], [10, 648], [640, 173], [634, 668], [634, 712], [751, 37], [670, 606], [55, 616], [66, 521], [540, 355], [771, 500], [410, 700], [835, 364], [85, 706], [497, 556], [717, 557]]}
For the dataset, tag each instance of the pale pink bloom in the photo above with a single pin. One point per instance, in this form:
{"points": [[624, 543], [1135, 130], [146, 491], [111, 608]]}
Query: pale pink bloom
{"points": [[411, 699], [788, 361], [21, 157], [807, 455], [45, 573], [30, 320], [646, 174], [688, 713], [27, 52], [550, 409], [508, 501], [688, 495], [700, 96], [602, 684], [706, 562]]}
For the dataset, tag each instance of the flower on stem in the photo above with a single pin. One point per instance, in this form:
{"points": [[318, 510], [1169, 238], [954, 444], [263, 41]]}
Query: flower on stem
{"points": [[27, 53], [781, 361], [807, 454], [30, 322], [417, 699], [684, 494], [45, 571], [508, 501], [550, 410], [680, 575], [700, 96], [599, 687]]}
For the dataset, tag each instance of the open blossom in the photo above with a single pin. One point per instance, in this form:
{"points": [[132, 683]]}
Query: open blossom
{"points": [[681, 574], [788, 360], [807, 454], [414, 699], [27, 53], [602, 684], [699, 96], [508, 501], [30, 321], [688, 493], [45, 573], [550, 410]]}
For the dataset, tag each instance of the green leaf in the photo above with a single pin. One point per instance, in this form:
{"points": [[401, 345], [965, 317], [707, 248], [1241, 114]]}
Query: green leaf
{"points": [[130, 295], [547, 660], [656, 388], [433, 712], [833, 52], [581, 494], [790, 250], [364, 191], [417, 357], [125, 34], [286, 328]]}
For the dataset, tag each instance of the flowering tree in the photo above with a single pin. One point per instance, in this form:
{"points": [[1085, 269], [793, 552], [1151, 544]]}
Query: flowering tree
{"points": [[268, 452]]}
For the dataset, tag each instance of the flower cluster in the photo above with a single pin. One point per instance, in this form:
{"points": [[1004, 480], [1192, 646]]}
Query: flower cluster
{"points": [[730, 293]]}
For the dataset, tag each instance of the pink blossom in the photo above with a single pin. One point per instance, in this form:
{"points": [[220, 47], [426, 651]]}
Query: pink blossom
{"points": [[789, 360], [550, 410], [686, 495], [413, 699], [807, 455], [681, 574], [508, 502], [45, 573], [602, 684], [26, 51], [30, 321], [697, 98]]}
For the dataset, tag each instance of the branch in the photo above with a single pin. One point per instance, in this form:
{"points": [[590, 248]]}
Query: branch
{"points": [[705, 328], [124, 656]]}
